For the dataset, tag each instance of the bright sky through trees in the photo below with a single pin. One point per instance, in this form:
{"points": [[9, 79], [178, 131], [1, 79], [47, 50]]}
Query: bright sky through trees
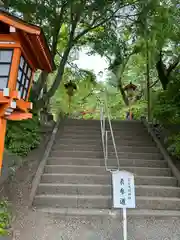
{"points": [[96, 63]]}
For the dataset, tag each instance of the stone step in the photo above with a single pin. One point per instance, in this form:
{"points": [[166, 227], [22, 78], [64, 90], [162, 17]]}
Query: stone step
{"points": [[104, 179], [98, 201], [78, 161], [88, 141], [157, 191], [73, 201], [97, 136], [79, 189], [120, 148], [82, 212], [76, 178], [120, 128], [97, 123], [97, 130], [91, 154], [158, 203], [78, 169], [111, 162], [105, 190], [83, 122]]}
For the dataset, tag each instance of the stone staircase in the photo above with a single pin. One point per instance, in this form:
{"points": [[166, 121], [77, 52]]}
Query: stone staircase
{"points": [[75, 180]]}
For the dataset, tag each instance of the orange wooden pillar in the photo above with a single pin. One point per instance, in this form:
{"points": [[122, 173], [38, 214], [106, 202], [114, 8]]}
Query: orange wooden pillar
{"points": [[2, 138]]}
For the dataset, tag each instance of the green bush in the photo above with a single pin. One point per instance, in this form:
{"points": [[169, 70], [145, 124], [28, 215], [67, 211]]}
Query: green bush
{"points": [[166, 110], [167, 107], [23, 136], [5, 218], [174, 145]]}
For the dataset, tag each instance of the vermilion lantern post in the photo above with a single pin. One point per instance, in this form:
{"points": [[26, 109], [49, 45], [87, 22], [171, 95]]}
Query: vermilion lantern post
{"points": [[130, 89], [23, 50]]}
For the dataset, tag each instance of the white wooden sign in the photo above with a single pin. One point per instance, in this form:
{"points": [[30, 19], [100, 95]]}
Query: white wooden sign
{"points": [[123, 189]]}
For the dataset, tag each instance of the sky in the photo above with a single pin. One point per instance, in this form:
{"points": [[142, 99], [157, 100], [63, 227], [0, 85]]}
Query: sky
{"points": [[93, 62]]}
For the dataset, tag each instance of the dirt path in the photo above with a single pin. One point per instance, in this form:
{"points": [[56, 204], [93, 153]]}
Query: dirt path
{"points": [[32, 225]]}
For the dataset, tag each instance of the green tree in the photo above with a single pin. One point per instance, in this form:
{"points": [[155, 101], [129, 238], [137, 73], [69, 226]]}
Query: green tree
{"points": [[159, 26], [69, 22]]}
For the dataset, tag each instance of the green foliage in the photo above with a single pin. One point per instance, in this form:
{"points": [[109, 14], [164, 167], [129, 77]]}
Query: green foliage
{"points": [[167, 106], [65, 23], [167, 111], [23, 136], [5, 217], [174, 145]]}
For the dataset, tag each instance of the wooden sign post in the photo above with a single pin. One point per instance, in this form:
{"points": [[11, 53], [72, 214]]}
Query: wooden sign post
{"points": [[123, 194]]}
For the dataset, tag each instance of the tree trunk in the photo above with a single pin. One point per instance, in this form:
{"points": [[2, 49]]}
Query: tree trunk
{"points": [[125, 99], [161, 74], [119, 74], [41, 102], [38, 86], [44, 75]]}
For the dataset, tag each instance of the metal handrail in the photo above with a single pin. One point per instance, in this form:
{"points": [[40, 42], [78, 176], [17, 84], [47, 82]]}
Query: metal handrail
{"points": [[105, 113]]}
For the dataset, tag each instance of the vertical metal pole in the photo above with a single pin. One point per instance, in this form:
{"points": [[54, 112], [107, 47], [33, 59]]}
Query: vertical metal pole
{"points": [[106, 146], [124, 224]]}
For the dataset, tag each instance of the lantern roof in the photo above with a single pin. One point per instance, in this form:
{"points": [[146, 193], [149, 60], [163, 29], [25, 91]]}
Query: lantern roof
{"points": [[33, 38], [130, 86]]}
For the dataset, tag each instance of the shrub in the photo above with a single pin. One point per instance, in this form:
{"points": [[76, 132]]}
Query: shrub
{"points": [[174, 145], [5, 218], [23, 136], [167, 107], [167, 110]]}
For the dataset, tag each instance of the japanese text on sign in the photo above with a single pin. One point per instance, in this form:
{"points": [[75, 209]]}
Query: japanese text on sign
{"points": [[123, 189]]}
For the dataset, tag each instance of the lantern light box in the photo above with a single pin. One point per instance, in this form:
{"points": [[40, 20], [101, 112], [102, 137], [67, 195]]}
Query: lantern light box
{"points": [[130, 88], [23, 50]]}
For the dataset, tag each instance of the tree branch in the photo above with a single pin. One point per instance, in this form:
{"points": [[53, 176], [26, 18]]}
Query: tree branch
{"points": [[173, 65], [153, 84], [74, 66], [59, 22], [61, 68], [43, 76], [91, 27], [89, 94]]}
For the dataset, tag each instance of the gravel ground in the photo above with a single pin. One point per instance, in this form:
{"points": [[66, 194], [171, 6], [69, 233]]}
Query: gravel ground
{"points": [[39, 226], [33, 225]]}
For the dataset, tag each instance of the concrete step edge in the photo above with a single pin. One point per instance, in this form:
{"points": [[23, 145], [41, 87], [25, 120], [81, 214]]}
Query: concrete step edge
{"points": [[108, 212], [107, 186], [102, 167], [98, 132], [148, 140], [124, 135], [81, 151], [102, 175], [74, 185], [147, 198], [101, 159], [75, 175], [95, 145], [98, 129], [98, 120], [73, 196]]}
